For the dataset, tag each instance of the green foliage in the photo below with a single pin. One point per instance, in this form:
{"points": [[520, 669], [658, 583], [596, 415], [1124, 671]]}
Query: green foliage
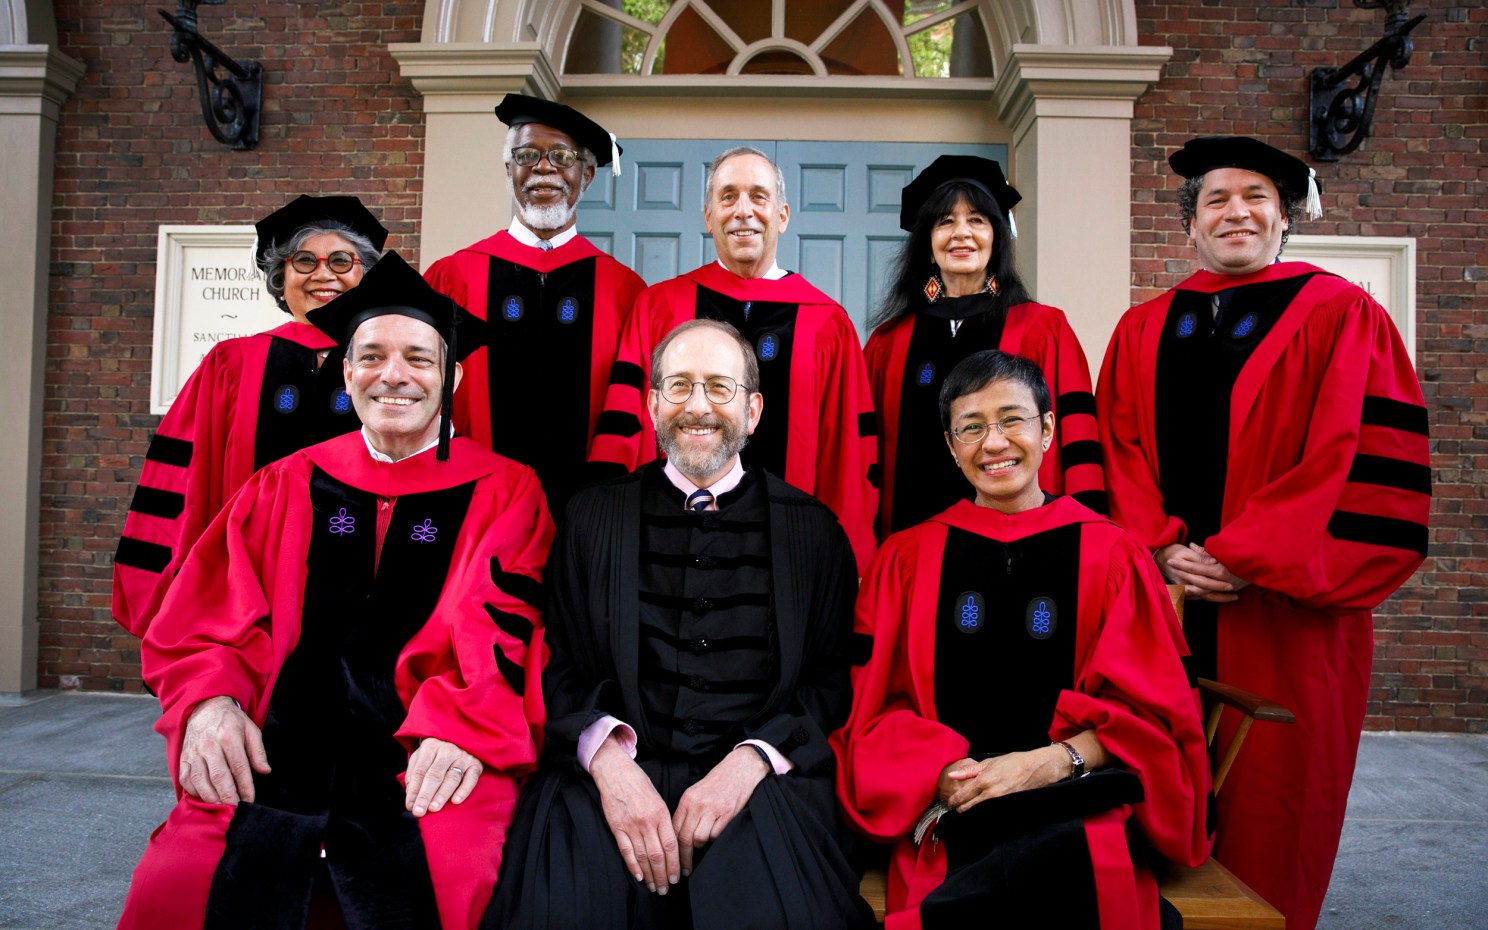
{"points": [[633, 42]]}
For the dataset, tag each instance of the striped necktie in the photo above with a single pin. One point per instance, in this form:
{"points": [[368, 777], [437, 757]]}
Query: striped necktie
{"points": [[699, 500], [545, 245]]}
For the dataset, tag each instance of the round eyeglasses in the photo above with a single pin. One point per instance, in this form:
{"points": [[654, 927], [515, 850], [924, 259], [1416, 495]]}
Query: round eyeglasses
{"points": [[973, 433], [559, 156], [339, 262], [718, 390]]}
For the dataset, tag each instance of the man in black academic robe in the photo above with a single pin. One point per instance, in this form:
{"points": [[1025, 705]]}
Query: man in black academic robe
{"points": [[699, 617]]}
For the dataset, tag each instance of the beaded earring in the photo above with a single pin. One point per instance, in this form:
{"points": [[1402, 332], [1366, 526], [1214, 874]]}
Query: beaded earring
{"points": [[933, 289]]}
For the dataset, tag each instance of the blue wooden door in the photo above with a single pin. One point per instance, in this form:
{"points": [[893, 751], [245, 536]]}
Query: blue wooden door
{"points": [[844, 226]]}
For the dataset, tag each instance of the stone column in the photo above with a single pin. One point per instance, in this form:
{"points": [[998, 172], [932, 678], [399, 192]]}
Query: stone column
{"points": [[1070, 112], [465, 196], [34, 82]]}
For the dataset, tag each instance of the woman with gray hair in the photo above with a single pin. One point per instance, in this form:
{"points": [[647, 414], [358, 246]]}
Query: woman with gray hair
{"points": [[252, 400]]}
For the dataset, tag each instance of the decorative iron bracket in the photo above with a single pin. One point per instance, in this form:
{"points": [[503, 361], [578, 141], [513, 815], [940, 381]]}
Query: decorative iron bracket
{"points": [[1339, 117], [230, 103]]}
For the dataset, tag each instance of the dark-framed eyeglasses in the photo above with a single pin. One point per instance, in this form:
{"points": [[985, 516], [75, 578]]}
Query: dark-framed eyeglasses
{"points": [[339, 262], [559, 156], [678, 390], [973, 433]]}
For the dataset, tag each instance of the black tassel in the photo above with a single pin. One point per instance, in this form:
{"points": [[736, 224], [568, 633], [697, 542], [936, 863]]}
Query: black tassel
{"points": [[447, 395]]}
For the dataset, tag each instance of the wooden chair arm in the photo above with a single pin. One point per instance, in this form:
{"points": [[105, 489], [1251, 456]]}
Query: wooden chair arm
{"points": [[1250, 704]]}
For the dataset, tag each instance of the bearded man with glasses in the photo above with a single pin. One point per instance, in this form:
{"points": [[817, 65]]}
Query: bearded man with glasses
{"points": [[699, 615], [551, 296]]}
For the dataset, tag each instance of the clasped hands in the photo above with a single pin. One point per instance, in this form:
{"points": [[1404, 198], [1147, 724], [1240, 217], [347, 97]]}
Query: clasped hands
{"points": [[658, 845], [1201, 574], [222, 748]]}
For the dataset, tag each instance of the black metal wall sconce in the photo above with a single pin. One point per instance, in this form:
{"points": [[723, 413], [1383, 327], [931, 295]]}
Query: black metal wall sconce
{"points": [[1338, 115], [230, 102]]}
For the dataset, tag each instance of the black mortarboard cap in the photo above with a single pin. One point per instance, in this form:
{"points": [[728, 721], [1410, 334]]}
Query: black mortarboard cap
{"points": [[393, 287], [983, 172], [516, 109], [1290, 174], [305, 210]]}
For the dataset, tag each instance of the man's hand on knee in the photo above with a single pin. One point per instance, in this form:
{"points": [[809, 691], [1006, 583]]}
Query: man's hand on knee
{"points": [[220, 751], [637, 816], [708, 806]]}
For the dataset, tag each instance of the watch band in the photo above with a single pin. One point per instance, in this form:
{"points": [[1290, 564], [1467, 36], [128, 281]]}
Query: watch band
{"points": [[1077, 760]]}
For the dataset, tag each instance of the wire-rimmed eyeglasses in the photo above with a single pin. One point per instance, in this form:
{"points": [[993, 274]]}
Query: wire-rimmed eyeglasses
{"points": [[973, 433], [678, 390]]}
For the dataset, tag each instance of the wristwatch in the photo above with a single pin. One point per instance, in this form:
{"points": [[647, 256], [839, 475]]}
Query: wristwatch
{"points": [[1077, 760]]}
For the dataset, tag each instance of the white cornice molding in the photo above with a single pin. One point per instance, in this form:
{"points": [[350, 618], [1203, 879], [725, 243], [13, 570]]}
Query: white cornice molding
{"points": [[36, 79], [477, 69], [1083, 80]]}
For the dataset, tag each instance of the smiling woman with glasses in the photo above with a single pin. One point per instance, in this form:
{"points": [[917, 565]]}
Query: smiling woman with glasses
{"points": [[1024, 731], [251, 400]]}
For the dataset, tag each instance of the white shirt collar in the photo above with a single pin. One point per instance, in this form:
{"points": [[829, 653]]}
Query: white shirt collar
{"points": [[379, 457], [527, 237], [774, 274], [719, 488]]}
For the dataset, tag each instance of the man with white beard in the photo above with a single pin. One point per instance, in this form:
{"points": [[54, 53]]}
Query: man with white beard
{"points": [[550, 296], [699, 618]]}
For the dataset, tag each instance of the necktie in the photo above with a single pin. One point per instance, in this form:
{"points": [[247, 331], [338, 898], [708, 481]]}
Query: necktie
{"points": [[545, 245], [699, 500]]}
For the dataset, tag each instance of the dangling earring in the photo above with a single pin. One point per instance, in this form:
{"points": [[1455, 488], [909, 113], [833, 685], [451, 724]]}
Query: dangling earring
{"points": [[992, 286], [933, 289]]}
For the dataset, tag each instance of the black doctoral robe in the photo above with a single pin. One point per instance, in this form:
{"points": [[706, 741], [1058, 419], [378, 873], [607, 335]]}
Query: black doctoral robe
{"points": [[778, 863]]}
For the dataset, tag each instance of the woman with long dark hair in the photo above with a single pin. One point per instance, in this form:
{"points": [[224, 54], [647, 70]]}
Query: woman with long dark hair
{"points": [[956, 291], [252, 400]]}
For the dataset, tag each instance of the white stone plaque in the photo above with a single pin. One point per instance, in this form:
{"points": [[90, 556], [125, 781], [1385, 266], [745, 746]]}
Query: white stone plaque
{"points": [[1384, 266], [207, 289]]}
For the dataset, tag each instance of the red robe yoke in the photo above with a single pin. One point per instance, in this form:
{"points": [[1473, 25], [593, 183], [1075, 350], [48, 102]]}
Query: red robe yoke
{"points": [[547, 311], [1129, 685], [1326, 496], [202, 452], [468, 675], [818, 436], [1035, 331]]}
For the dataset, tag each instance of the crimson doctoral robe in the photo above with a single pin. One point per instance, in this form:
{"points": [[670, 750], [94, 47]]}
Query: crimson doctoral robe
{"points": [[536, 391], [251, 400], [818, 429], [351, 608], [908, 360], [1275, 419], [998, 633]]}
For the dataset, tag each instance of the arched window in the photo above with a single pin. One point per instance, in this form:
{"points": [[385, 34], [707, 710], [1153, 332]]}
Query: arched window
{"points": [[885, 38]]}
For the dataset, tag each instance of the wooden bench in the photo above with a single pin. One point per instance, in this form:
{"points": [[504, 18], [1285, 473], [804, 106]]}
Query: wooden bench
{"points": [[1209, 898]]}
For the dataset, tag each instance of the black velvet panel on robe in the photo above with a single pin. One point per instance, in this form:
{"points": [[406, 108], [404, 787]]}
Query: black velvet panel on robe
{"points": [[1206, 342], [541, 343], [707, 649], [1005, 636], [329, 730], [926, 479], [771, 328], [300, 404]]}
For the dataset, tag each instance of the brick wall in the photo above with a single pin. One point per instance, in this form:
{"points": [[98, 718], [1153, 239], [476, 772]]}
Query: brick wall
{"points": [[1242, 70], [133, 154]]}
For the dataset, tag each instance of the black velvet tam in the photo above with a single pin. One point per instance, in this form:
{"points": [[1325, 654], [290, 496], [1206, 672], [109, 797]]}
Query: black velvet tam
{"points": [[305, 210], [1205, 153], [983, 172], [517, 109]]}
